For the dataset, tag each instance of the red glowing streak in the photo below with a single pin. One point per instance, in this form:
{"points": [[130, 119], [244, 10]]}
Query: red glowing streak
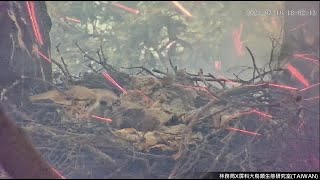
{"points": [[244, 131], [272, 85], [299, 26], [206, 89], [274, 23], [250, 112], [182, 9], [145, 96], [73, 20], [309, 87], [217, 65], [297, 75], [239, 114], [282, 86], [31, 18], [253, 85], [131, 10], [229, 81], [42, 55], [62, 177], [313, 98], [34, 21], [238, 45], [262, 114], [101, 118], [109, 78], [303, 56]]}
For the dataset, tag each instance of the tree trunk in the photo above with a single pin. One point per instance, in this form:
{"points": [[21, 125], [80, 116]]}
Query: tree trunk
{"points": [[18, 56], [301, 36], [18, 157]]}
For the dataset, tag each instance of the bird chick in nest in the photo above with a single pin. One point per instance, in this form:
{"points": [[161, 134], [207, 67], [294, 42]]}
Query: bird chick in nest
{"points": [[146, 84], [78, 101]]}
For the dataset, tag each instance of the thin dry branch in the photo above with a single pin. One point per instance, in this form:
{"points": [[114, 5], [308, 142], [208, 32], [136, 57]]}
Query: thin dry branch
{"points": [[254, 64]]}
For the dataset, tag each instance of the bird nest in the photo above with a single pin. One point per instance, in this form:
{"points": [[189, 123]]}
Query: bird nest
{"points": [[160, 125]]}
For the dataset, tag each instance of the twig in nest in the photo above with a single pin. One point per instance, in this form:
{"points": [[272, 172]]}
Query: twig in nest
{"points": [[245, 68], [222, 83], [254, 63], [102, 53], [195, 77], [158, 71], [86, 54], [102, 63], [5, 90], [208, 86], [104, 59], [140, 67], [60, 67], [195, 116], [240, 80], [90, 67], [64, 69], [264, 74], [173, 67], [273, 46]]}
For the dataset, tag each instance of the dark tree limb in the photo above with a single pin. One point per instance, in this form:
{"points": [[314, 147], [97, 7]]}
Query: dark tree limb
{"points": [[254, 63], [143, 69], [64, 69], [18, 156]]}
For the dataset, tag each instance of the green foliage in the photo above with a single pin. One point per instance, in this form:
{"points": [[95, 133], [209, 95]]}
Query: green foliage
{"points": [[136, 39]]}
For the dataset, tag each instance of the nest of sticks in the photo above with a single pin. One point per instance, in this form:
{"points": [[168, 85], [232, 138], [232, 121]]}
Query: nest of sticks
{"points": [[154, 124]]}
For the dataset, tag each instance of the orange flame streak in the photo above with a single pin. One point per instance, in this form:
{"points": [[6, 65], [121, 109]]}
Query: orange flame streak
{"points": [[238, 45], [128, 9], [297, 75], [303, 56], [72, 19], [42, 55], [62, 177], [317, 97], [182, 9], [101, 118], [109, 78], [304, 89], [34, 21], [244, 131]]}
